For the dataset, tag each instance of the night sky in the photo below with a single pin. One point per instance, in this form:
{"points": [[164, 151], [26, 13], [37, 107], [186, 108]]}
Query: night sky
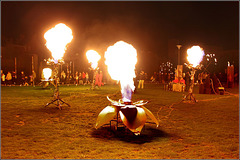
{"points": [[148, 26]]}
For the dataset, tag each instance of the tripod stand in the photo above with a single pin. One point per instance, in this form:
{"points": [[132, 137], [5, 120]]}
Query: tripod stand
{"points": [[189, 96], [56, 100]]}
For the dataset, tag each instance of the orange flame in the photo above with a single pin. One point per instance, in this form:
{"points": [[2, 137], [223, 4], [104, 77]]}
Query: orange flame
{"points": [[57, 39], [121, 59], [195, 55], [93, 58]]}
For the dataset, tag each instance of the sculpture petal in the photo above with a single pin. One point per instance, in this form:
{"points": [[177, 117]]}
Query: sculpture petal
{"points": [[106, 115], [149, 113], [137, 124]]}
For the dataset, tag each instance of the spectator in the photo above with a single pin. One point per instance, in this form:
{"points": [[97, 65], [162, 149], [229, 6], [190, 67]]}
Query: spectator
{"points": [[187, 81], [3, 77], [100, 83], [14, 77], [97, 79], [33, 78], [87, 78], [141, 80], [22, 81], [9, 78], [80, 78], [26, 83], [84, 77], [215, 83], [63, 77], [207, 85], [76, 78]]}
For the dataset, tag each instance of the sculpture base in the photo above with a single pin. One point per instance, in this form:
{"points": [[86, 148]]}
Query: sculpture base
{"points": [[57, 102], [190, 98]]}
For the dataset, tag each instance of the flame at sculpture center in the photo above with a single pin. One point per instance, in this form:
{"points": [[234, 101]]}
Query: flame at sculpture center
{"points": [[121, 59]]}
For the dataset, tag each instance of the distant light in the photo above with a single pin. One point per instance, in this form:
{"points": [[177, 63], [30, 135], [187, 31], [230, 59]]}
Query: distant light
{"points": [[47, 72]]}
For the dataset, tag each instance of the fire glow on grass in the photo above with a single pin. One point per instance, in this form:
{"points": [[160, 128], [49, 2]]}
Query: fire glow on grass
{"points": [[47, 72], [121, 59], [93, 58], [195, 55], [57, 39]]}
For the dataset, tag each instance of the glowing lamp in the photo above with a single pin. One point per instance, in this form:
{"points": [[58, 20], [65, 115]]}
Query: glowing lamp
{"points": [[47, 72]]}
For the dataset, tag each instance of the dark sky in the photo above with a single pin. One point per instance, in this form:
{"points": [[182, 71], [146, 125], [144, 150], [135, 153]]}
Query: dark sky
{"points": [[146, 25]]}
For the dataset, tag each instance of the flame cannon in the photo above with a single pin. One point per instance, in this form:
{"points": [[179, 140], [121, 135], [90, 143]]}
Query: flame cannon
{"points": [[57, 39], [93, 58], [121, 59], [195, 55]]}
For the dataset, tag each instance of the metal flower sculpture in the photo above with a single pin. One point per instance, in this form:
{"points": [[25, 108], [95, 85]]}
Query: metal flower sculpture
{"points": [[121, 60]]}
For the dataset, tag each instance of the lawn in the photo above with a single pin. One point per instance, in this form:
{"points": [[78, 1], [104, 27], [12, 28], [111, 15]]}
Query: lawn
{"points": [[208, 129]]}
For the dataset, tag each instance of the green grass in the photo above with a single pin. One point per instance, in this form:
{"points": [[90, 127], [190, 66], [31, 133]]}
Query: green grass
{"points": [[208, 129]]}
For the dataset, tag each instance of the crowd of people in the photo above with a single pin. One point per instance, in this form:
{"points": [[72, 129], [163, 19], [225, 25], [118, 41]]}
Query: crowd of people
{"points": [[208, 83], [82, 78], [10, 78]]}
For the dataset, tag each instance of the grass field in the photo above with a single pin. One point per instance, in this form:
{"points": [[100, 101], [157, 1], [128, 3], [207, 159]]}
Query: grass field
{"points": [[208, 129]]}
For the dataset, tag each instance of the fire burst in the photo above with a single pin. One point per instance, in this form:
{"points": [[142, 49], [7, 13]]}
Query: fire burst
{"points": [[195, 55], [121, 59], [57, 39], [93, 58]]}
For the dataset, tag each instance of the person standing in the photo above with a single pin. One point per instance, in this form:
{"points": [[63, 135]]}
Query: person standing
{"points": [[187, 81], [87, 78], [22, 82], [207, 85], [33, 78], [97, 79], [9, 78], [215, 83], [76, 78], [84, 77], [14, 77], [3, 77], [100, 83], [80, 78], [141, 80]]}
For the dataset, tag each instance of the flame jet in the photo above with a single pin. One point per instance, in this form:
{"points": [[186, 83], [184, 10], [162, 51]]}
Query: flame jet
{"points": [[195, 55], [93, 58], [57, 39], [121, 59]]}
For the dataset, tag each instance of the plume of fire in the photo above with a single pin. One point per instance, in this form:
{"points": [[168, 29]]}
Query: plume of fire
{"points": [[121, 59], [57, 39], [93, 58], [195, 55], [47, 72]]}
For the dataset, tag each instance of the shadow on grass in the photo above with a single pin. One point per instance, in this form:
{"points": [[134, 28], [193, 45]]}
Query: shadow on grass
{"points": [[148, 134], [51, 109]]}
